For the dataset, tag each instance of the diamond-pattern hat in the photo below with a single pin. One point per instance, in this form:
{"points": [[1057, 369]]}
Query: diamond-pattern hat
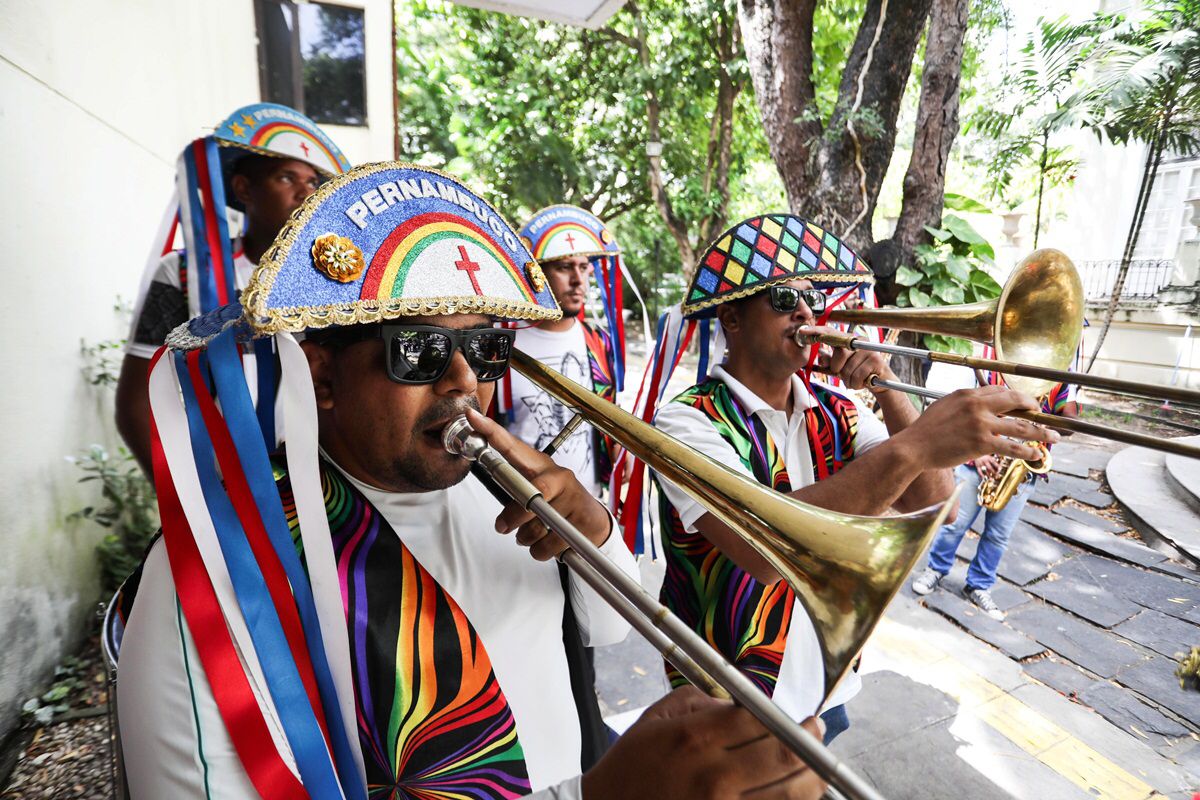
{"points": [[766, 250]]}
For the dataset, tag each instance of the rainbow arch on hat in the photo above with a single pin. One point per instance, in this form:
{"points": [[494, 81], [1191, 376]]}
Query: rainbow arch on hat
{"points": [[566, 238], [286, 137], [481, 267]]}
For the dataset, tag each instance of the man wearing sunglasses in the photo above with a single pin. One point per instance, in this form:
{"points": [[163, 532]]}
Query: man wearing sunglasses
{"points": [[759, 412], [435, 660]]}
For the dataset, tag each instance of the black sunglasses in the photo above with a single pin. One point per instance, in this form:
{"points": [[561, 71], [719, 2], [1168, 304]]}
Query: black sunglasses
{"points": [[785, 299], [422, 353]]}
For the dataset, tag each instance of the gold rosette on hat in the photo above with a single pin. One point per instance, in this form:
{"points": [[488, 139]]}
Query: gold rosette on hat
{"points": [[338, 258]]}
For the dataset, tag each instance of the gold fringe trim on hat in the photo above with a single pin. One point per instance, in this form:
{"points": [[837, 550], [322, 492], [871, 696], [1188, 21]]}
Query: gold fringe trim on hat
{"points": [[267, 320], [689, 309]]}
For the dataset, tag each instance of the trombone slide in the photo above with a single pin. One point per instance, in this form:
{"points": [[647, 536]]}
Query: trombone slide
{"points": [[679, 643]]}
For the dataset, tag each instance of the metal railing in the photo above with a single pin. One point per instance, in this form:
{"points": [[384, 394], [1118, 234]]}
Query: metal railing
{"points": [[1144, 280]]}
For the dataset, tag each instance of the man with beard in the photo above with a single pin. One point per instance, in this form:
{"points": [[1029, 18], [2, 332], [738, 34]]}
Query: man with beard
{"points": [[571, 245], [346, 619], [264, 160]]}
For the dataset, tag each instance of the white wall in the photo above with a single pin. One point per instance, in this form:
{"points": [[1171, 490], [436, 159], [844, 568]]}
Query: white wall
{"points": [[98, 99]]}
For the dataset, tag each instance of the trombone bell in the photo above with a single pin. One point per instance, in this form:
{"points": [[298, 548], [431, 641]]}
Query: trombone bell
{"points": [[844, 568], [1037, 319]]}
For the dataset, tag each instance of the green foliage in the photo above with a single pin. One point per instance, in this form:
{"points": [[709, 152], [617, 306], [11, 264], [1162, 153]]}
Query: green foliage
{"points": [[69, 678], [102, 362], [1027, 107], [948, 272], [129, 511], [1146, 85]]}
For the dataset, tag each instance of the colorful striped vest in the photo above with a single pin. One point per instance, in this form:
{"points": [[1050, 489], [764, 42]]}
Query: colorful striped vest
{"points": [[600, 361], [745, 620]]}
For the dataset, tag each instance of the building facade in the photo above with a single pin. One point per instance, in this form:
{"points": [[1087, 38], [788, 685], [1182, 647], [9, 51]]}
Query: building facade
{"points": [[99, 99]]}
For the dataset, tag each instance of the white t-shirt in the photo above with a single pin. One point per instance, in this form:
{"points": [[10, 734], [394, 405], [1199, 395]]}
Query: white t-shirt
{"points": [[163, 306], [801, 679], [538, 417], [514, 603]]}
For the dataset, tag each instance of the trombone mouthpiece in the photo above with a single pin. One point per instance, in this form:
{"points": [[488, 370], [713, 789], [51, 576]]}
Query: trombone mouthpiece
{"points": [[460, 439]]}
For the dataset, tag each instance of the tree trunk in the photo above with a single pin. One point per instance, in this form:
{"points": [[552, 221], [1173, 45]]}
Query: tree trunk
{"points": [[936, 128], [658, 189], [777, 36], [1037, 218], [1153, 159], [862, 131]]}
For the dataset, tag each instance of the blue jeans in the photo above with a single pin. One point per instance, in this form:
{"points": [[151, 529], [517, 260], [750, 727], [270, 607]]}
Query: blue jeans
{"points": [[836, 722], [997, 527]]}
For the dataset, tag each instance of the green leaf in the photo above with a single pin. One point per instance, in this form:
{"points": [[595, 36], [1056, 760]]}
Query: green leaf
{"points": [[958, 268], [984, 284], [948, 291], [940, 234], [983, 251], [907, 276], [962, 230], [918, 298], [948, 344], [963, 203]]}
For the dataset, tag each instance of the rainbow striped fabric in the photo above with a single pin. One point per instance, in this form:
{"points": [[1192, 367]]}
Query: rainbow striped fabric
{"points": [[425, 732], [745, 620]]}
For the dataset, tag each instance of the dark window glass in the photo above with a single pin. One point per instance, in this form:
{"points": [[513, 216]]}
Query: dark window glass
{"points": [[312, 59]]}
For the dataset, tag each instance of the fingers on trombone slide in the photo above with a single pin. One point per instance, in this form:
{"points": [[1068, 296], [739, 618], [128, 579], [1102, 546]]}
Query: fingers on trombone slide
{"points": [[694, 746]]}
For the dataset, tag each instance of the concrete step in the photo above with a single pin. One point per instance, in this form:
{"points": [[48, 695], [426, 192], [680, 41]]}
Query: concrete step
{"points": [[1162, 508], [1185, 472]]}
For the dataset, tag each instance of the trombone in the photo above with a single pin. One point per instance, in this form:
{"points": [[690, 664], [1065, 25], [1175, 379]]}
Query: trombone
{"points": [[1038, 320], [844, 568]]}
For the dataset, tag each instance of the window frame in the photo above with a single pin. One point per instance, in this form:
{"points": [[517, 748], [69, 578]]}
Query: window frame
{"points": [[297, 56]]}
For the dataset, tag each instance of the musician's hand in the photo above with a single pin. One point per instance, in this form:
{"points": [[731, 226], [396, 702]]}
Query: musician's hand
{"points": [[690, 746], [967, 424], [987, 466], [853, 367], [557, 485]]}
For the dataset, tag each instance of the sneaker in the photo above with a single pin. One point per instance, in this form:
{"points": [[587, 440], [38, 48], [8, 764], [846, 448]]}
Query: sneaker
{"points": [[927, 581], [983, 599]]}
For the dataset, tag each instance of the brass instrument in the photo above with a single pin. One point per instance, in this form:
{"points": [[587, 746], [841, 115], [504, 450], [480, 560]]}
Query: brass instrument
{"points": [[1037, 320], [844, 568], [996, 491]]}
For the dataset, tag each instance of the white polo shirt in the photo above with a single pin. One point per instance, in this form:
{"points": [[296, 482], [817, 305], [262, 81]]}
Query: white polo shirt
{"points": [[801, 675]]}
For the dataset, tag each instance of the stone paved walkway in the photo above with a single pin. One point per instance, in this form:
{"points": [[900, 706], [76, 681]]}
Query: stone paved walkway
{"points": [[1073, 696]]}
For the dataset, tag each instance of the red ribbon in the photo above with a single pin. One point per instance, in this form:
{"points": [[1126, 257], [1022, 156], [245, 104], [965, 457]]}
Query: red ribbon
{"points": [[244, 721]]}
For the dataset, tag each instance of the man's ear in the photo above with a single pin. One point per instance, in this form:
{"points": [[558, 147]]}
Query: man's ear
{"points": [[727, 315], [320, 366], [241, 189]]}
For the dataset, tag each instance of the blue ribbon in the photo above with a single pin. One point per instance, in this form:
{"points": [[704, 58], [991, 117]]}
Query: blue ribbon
{"points": [[247, 432], [216, 182], [200, 279], [279, 669], [705, 334], [264, 361]]}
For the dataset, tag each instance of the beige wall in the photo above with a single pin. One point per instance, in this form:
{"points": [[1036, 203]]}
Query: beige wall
{"points": [[98, 99]]}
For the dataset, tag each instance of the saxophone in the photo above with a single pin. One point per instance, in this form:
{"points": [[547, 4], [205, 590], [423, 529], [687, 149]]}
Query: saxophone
{"points": [[995, 492]]}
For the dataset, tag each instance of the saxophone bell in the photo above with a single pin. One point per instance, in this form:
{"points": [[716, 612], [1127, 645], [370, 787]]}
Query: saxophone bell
{"points": [[996, 491]]}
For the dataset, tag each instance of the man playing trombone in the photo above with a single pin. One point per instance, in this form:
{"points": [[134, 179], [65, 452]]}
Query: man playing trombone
{"points": [[759, 413], [343, 620]]}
